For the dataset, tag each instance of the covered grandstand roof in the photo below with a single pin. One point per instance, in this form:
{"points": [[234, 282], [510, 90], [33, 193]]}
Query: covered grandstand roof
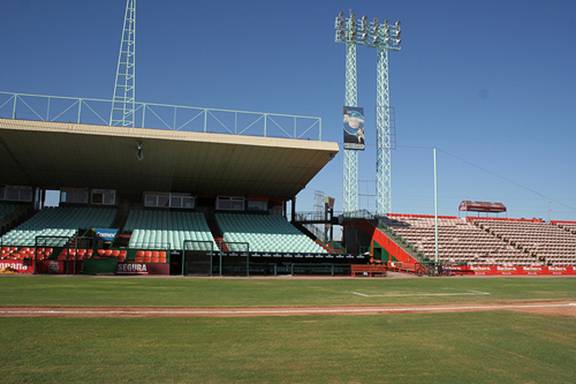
{"points": [[54, 154]]}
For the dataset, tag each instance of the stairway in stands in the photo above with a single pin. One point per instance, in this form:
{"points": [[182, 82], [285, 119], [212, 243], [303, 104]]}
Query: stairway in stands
{"points": [[304, 229], [216, 231]]}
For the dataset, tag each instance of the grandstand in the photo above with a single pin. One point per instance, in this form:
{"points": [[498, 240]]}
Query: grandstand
{"points": [[487, 241], [157, 229], [547, 242], [459, 240], [569, 226], [61, 223], [266, 233], [159, 199]]}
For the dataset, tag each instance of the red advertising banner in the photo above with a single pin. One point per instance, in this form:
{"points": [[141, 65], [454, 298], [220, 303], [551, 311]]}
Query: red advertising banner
{"points": [[16, 266], [501, 270], [143, 269]]}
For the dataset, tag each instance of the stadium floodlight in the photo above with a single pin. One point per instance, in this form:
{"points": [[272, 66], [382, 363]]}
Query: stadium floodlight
{"points": [[372, 34], [384, 37]]}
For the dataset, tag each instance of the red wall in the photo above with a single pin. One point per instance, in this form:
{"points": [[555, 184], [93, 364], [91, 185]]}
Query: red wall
{"points": [[393, 249]]}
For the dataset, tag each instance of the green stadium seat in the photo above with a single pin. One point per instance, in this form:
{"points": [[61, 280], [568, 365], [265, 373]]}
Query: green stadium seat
{"points": [[162, 229], [58, 221], [265, 233]]}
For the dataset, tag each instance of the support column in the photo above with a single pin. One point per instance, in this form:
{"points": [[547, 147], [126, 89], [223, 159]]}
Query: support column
{"points": [[383, 138], [350, 187]]}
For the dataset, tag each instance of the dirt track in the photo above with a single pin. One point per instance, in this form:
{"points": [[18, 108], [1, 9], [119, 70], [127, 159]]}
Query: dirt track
{"points": [[541, 307]]}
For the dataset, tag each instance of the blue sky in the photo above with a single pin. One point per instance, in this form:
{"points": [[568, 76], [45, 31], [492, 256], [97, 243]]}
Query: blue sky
{"points": [[491, 82]]}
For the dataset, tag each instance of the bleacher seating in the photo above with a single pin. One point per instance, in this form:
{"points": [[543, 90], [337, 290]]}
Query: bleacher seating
{"points": [[58, 221], [15, 253], [458, 241], [568, 226], [162, 229], [549, 243], [150, 257], [265, 233]]}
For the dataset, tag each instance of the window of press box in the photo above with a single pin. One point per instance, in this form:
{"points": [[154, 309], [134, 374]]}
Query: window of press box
{"points": [[230, 203]]}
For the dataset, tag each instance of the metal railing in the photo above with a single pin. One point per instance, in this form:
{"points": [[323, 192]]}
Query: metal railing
{"points": [[61, 109]]}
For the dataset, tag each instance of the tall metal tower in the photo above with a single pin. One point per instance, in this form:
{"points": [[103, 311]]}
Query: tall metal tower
{"points": [[345, 33], [124, 97], [384, 37]]}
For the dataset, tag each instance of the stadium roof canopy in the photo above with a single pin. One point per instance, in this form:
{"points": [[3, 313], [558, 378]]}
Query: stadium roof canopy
{"points": [[55, 154]]}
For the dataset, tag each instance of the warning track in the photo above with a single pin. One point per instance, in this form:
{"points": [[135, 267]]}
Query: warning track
{"points": [[547, 307]]}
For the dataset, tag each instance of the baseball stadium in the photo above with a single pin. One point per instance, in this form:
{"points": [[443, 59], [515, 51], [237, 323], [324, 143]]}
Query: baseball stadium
{"points": [[160, 243]]}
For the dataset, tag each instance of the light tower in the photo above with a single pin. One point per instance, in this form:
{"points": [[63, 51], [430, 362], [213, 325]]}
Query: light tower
{"points": [[346, 33], [124, 98], [384, 37]]}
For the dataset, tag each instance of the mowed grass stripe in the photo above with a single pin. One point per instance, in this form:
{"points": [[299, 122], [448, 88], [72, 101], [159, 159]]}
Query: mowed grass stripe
{"points": [[94, 291], [491, 347]]}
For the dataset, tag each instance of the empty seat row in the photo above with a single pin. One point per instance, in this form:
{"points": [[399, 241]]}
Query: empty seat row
{"points": [[459, 240], [56, 225], [160, 229], [264, 233], [151, 257], [543, 240]]}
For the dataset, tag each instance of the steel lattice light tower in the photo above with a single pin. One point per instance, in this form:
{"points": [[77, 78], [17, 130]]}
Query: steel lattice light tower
{"points": [[384, 37], [345, 33], [124, 97]]}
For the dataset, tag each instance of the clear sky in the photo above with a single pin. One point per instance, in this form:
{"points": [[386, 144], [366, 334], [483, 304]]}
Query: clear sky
{"points": [[491, 82]]}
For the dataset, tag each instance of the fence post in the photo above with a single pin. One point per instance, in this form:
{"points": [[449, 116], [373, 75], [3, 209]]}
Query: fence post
{"points": [[79, 110], [205, 120], [174, 119], [14, 106], [220, 267], [143, 115], [248, 264]]}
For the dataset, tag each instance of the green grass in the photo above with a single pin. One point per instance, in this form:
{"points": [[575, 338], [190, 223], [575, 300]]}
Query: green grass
{"points": [[497, 347], [94, 291]]}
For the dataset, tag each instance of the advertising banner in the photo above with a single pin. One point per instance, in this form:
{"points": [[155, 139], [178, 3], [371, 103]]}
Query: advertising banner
{"points": [[500, 270], [16, 266], [354, 134], [106, 234], [143, 269]]}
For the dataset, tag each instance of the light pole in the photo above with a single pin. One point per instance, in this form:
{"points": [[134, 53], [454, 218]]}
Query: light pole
{"points": [[384, 37], [346, 33]]}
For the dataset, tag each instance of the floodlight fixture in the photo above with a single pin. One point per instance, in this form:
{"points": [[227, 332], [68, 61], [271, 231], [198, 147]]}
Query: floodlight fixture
{"points": [[355, 30]]}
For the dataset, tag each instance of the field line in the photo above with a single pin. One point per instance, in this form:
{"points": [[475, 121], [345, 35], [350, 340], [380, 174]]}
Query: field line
{"points": [[468, 293]]}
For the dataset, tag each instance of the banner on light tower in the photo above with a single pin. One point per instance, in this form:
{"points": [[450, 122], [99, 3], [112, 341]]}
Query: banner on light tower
{"points": [[354, 134]]}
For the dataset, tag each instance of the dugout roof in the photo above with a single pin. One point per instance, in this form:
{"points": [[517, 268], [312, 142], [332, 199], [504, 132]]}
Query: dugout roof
{"points": [[53, 154]]}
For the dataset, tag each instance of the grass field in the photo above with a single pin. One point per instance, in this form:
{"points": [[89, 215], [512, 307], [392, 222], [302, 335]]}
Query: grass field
{"points": [[91, 291], [487, 347]]}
